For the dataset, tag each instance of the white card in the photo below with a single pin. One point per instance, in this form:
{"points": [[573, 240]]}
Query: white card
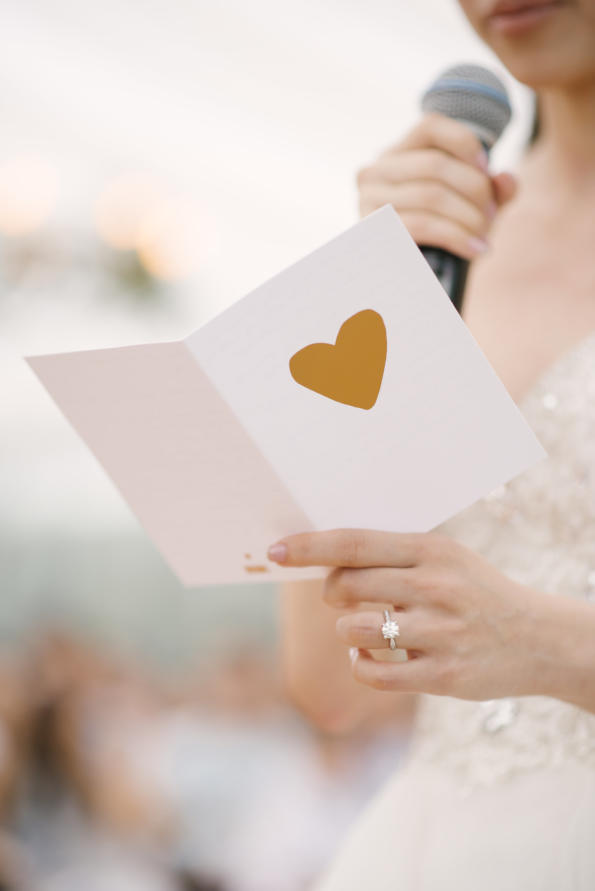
{"points": [[262, 423]]}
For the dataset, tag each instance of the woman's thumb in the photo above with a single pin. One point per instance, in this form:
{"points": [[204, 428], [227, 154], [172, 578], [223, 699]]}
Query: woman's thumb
{"points": [[505, 187]]}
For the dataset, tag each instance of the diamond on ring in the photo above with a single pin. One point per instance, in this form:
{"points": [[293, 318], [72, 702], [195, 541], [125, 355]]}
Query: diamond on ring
{"points": [[390, 630]]}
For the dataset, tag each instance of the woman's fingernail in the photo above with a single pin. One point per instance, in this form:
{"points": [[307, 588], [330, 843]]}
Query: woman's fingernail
{"points": [[353, 654], [483, 160], [478, 245], [277, 552]]}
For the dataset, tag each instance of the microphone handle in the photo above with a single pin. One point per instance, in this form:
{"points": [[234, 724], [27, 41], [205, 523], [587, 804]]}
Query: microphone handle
{"points": [[450, 270]]}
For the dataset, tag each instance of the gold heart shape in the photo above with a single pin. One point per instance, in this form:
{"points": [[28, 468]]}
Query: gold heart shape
{"points": [[350, 370]]}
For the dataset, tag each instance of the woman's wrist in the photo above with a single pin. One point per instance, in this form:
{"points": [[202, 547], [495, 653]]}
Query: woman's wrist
{"points": [[562, 650]]}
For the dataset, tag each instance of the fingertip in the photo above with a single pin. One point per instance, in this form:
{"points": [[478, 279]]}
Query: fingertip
{"points": [[482, 161], [340, 626], [364, 655], [478, 246], [278, 552]]}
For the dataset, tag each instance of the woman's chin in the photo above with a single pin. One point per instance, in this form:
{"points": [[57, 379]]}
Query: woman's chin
{"points": [[545, 45], [540, 70]]}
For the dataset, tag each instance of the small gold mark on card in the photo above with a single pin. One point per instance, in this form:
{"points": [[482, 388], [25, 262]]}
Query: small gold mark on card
{"points": [[256, 568]]}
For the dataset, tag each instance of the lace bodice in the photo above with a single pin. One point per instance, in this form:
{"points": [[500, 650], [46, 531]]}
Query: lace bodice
{"points": [[540, 530]]}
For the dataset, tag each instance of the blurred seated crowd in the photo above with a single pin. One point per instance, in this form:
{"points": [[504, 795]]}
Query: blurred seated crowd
{"points": [[114, 778]]}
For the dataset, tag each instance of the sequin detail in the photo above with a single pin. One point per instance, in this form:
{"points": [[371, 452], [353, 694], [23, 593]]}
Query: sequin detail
{"points": [[550, 401], [539, 529]]}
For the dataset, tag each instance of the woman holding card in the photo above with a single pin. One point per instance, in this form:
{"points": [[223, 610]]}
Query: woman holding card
{"points": [[495, 610]]}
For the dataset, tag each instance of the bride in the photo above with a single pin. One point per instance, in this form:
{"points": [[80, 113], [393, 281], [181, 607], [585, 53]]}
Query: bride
{"points": [[496, 609]]}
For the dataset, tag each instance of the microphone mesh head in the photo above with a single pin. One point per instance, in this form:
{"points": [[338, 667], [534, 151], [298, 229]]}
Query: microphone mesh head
{"points": [[473, 95]]}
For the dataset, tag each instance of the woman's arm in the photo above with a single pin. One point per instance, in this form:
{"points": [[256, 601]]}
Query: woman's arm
{"points": [[564, 650], [317, 670]]}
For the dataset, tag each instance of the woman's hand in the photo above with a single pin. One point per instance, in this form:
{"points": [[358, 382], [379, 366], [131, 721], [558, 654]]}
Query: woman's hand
{"points": [[470, 631], [437, 179]]}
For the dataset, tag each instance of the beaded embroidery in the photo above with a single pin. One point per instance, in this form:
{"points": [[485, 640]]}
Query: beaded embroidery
{"points": [[540, 530]]}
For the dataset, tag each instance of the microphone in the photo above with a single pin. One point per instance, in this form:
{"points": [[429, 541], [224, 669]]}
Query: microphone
{"points": [[477, 98]]}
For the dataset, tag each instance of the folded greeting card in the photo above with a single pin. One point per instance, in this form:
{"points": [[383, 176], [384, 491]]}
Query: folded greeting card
{"points": [[344, 392]]}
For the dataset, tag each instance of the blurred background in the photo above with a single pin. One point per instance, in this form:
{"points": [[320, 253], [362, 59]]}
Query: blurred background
{"points": [[158, 160]]}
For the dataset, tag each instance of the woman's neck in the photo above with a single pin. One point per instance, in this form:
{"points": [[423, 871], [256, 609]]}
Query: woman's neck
{"points": [[565, 150]]}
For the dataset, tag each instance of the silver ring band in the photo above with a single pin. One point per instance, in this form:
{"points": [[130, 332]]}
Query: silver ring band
{"points": [[390, 630]]}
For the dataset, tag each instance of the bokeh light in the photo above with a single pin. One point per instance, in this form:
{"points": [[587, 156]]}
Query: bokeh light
{"points": [[28, 193], [169, 233], [122, 207]]}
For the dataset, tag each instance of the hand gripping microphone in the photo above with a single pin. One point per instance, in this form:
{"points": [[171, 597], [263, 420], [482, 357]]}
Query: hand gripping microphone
{"points": [[477, 98]]}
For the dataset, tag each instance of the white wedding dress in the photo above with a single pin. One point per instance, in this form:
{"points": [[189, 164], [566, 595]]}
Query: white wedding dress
{"points": [[500, 795]]}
